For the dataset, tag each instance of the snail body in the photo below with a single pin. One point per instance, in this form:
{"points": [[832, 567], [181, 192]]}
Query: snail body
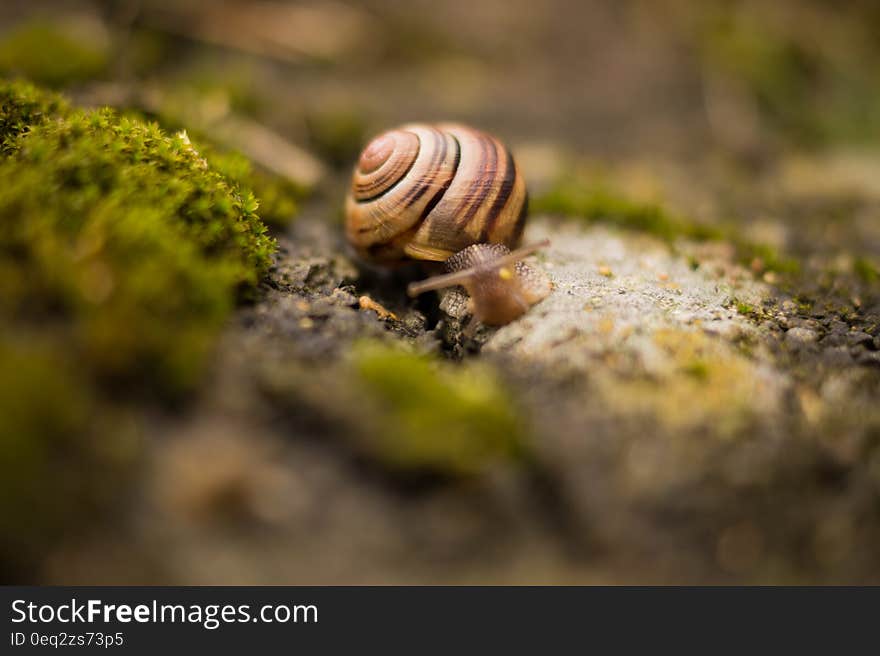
{"points": [[501, 287], [425, 192], [447, 193]]}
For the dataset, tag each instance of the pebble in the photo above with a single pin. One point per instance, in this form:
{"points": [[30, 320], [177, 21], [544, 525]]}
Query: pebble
{"points": [[860, 338], [810, 324], [834, 340], [801, 335]]}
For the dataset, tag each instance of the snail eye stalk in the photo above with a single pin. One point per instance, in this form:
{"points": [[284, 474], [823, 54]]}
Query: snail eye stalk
{"points": [[459, 277]]}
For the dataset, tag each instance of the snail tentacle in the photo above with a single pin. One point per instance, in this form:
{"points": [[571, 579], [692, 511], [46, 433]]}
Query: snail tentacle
{"points": [[445, 280]]}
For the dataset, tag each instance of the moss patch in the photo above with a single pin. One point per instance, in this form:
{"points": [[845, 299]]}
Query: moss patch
{"points": [[121, 253], [810, 72], [753, 312], [122, 234], [338, 135], [279, 198], [47, 53], [865, 270], [595, 201], [435, 415], [22, 107], [64, 455]]}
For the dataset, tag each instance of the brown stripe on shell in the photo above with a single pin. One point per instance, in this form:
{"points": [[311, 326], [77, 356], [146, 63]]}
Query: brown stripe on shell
{"points": [[487, 179], [438, 150], [434, 168], [501, 199], [472, 197], [443, 189], [438, 154], [520, 224], [400, 167]]}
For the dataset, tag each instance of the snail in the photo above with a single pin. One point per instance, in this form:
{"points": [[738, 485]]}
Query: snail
{"points": [[447, 193]]}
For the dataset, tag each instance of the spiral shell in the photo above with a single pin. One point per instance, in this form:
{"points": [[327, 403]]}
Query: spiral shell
{"points": [[426, 192]]}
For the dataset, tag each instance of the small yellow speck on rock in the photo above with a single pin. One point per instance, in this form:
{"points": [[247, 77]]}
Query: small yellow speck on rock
{"points": [[605, 271]]}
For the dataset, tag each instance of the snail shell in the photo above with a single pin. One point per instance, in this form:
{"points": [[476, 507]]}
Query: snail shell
{"points": [[425, 192]]}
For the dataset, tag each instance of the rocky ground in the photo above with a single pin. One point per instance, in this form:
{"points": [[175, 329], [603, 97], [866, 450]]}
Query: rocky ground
{"points": [[687, 406], [671, 435]]}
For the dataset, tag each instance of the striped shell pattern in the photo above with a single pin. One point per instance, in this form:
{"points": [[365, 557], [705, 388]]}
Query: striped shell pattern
{"points": [[425, 192]]}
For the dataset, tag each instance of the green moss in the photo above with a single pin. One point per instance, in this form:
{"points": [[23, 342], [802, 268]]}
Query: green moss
{"points": [[775, 69], [595, 201], [337, 135], [121, 254], [23, 106], [750, 311], [232, 84], [435, 415], [123, 235], [47, 53], [147, 51], [279, 198], [813, 85], [766, 257], [63, 456], [698, 369], [805, 304], [865, 270]]}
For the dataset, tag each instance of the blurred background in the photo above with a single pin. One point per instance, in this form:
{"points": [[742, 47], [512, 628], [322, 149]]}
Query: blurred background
{"points": [[763, 117], [656, 92]]}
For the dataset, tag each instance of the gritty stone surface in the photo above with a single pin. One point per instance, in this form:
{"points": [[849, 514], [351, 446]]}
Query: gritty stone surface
{"points": [[612, 291], [801, 335], [677, 432], [672, 437]]}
